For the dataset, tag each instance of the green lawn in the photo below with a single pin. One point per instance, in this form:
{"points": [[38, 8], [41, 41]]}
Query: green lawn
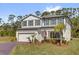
{"points": [[7, 39], [47, 49]]}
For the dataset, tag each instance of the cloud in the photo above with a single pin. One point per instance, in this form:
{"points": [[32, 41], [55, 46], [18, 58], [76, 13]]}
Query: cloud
{"points": [[50, 8]]}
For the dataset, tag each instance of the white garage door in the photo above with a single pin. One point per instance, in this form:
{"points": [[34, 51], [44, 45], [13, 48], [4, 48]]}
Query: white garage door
{"points": [[24, 37]]}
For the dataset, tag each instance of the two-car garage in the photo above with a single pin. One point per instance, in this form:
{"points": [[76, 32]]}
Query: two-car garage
{"points": [[23, 34]]}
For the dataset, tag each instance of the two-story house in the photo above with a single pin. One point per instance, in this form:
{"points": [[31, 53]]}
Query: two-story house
{"points": [[44, 25]]}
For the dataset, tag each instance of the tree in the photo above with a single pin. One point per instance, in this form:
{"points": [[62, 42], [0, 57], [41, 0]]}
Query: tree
{"points": [[75, 27], [45, 13], [58, 28], [19, 18], [12, 23], [64, 9], [67, 12], [74, 9], [0, 20], [38, 13], [11, 18], [18, 22], [58, 12], [78, 10], [53, 12]]}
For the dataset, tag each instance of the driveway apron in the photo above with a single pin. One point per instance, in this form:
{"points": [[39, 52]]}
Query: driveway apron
{"points": [[6, 48]]}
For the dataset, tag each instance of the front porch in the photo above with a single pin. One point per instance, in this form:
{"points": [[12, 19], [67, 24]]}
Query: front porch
{"points": [[51, 34]]}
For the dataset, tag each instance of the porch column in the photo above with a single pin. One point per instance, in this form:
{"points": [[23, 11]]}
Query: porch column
{"points": [[47, 34]]}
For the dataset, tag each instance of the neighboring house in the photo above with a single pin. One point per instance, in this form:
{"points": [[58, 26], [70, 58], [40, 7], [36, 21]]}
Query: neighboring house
{"points": [[44, 26]]}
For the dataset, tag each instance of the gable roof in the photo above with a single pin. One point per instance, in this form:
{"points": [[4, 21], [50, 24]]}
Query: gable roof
{"points": [[52, 16], [48, 16], [29, 16]]}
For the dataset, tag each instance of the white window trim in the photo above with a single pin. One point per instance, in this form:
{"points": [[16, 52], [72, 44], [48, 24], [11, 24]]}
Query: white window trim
{"points": [[35, 22], [28, 23]]}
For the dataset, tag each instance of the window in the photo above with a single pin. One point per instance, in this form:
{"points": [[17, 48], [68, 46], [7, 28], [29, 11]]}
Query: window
{"points": [[51, 34], [46, 22], [37, 22], [61, 20], [53, 21], [30, 23], [24, 23]]}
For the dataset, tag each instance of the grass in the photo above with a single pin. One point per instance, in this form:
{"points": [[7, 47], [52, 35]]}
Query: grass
{"points": [[47, 49], [7, 39]]}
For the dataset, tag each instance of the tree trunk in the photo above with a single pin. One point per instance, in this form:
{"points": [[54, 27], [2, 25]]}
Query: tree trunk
{"points": [[60, 41], [60, 38]]}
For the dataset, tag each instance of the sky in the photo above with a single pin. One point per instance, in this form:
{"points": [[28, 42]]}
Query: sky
{"points": [[29, 8]]}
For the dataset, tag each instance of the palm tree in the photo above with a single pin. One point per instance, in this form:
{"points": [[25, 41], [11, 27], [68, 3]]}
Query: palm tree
{"points": [[78, 9], [74, 10], [67, 12], [58, 28]]}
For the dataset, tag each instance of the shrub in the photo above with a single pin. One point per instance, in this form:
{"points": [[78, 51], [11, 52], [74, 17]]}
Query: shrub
{"points": [[7, 39]]}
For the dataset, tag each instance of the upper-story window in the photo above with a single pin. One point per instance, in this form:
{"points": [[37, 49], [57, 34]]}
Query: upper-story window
{"points": [[30, 22], [53, 21], [46, 22], [61, 20], [24, 23], [37, 22]]}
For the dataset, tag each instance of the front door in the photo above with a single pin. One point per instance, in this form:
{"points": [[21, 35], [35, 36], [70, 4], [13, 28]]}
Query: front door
{"points": [[44, 34]]}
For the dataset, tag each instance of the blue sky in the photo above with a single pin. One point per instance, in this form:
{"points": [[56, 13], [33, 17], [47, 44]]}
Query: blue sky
{"points": [[28, 8]]}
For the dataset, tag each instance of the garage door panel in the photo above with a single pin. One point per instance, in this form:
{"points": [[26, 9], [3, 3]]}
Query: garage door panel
{"points": [[24, 37]]}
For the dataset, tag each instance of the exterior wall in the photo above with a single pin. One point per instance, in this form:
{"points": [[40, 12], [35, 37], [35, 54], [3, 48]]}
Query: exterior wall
{"points": [[17, 35], [41, 22], [34, 31], [67, 30], [47, 30], [30, 18], [24, 31]]}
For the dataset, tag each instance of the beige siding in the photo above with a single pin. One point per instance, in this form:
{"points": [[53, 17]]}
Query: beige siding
{"points": [[67, 31], [30, 18]]}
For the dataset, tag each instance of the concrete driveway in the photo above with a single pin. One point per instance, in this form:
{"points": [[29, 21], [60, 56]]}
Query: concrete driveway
{"points": [[6, 48]]}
